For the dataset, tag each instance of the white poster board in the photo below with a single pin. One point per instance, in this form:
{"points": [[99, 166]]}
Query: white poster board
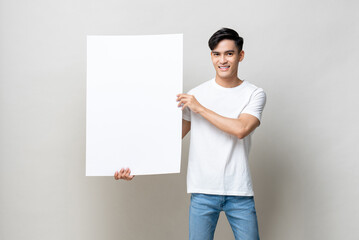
{"points": [[132, 118]]}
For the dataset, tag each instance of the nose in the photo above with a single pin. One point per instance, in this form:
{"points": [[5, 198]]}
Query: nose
{"points": [[222, 59]]}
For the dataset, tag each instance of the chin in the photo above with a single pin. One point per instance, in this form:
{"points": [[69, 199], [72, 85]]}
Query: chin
{"points": [[225, 75]]}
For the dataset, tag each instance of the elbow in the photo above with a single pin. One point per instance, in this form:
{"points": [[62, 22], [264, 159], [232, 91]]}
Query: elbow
{"points": [[240, 134]]}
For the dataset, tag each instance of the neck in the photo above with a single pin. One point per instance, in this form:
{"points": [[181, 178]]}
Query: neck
{"points": [[228, 82]]}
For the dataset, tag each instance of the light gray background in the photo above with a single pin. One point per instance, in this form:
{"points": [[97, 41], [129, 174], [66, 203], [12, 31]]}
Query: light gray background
{"points": [[304, 158]]}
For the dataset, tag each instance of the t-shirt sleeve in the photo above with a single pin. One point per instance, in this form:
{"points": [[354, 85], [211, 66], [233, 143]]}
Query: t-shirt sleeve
{"points": [[256, 104], [186, 113]]}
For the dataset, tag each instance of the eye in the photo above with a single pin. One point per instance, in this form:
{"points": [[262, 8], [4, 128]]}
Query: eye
{"points": [[230, 54]]}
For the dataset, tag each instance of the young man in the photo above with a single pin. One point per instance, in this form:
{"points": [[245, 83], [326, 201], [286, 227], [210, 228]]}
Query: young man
{"points": [[222, 114]]}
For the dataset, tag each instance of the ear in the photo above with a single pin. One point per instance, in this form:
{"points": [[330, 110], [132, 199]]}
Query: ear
{"points": [[241, 56]]}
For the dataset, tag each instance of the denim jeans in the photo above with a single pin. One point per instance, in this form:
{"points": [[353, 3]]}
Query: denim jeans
{"points": [[205, 209]]}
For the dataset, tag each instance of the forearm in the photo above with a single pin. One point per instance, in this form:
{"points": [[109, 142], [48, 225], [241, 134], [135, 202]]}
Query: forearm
{"points": [[239, 127], [231, 126]]}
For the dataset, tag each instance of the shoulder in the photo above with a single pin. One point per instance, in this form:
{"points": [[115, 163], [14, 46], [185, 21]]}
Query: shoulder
{"points": [[254, 90], [251, 87], [201, 87]]}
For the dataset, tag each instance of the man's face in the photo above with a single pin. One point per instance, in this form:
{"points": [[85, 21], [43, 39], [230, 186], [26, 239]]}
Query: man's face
{"points": [[225, 58]]}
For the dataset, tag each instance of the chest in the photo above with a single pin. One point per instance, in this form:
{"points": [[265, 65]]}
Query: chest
{"points": [[225, 104]]}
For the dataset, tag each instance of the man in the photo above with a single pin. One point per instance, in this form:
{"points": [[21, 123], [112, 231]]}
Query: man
{"points": [[222, 114]]}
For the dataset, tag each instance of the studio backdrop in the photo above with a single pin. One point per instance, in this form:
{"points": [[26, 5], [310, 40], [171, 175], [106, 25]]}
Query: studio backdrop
{"points": [[304, 156]]}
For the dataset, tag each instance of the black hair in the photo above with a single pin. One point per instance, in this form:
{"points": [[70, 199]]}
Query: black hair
{"points": [[225, 33]]}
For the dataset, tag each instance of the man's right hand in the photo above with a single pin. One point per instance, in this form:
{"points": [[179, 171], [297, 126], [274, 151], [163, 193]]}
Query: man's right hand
{"points": [[124, 174]]}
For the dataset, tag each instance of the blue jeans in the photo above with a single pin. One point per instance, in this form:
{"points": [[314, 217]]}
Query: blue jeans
{"points": [[205, 209]]}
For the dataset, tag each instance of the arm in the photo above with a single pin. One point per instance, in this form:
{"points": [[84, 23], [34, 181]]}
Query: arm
{"points": [[239, 127], [186, 127]]}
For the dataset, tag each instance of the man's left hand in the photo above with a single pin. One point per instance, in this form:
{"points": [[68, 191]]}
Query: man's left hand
{"points": [[190, 101]]}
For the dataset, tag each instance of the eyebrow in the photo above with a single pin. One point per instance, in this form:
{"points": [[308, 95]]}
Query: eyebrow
{"points": [[224, 52]]}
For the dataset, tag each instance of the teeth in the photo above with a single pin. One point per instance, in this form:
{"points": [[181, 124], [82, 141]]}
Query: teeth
{"points": [[223, 67]]}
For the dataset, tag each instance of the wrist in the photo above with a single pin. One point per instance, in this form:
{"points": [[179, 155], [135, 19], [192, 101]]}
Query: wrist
{"points": [[202, 110]]}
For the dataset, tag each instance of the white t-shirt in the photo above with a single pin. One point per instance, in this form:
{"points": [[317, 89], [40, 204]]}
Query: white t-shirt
{"points": [[218, 161]]}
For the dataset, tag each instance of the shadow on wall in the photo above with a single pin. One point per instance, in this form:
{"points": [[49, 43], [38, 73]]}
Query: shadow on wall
{"points": [[287, 188], [272, 175]]}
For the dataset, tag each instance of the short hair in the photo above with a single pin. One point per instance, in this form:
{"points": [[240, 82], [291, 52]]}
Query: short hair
{"points": [[225, 33]]}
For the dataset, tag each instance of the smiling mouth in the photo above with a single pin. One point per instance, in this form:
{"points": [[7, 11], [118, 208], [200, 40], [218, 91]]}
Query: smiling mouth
{"points": [[223, 67]]}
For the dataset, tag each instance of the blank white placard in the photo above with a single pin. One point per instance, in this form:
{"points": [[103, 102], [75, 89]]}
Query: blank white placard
{"points": [[132, 118]]}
